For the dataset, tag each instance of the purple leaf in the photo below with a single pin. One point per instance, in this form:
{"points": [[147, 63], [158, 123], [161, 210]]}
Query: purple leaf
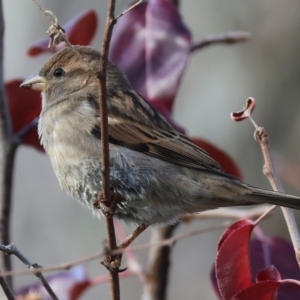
{"points": [[280, 253], [151, 45]]}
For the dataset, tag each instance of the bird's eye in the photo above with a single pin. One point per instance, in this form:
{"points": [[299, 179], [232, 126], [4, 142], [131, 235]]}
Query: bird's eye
{"points": [[58, 72]]}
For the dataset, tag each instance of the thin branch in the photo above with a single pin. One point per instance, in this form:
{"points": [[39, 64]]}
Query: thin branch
{"points": [[98, 255], [228, 213], [172, 240], [9, 146], [231, 37], [269, 171], [110, 231], [159, 263], [13, 250], [129, 8], [265, 214], [133, 264], [8, 293], [160, 256], [27, 128], [60, 267]]}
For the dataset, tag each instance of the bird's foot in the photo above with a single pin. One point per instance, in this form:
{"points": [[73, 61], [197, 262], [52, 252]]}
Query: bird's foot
{"points": [[113, 264], [107, 206]]}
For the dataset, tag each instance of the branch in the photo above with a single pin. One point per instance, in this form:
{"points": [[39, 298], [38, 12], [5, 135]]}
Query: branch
{"points": [[12, 250], [231, 37], [9, 146], [159, 263], [228, 213], [269, 171], [110, 231], [170, 241]]}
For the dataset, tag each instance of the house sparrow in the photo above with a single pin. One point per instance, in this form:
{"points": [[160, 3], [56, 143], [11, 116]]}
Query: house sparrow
{"points": [[159, 173]]}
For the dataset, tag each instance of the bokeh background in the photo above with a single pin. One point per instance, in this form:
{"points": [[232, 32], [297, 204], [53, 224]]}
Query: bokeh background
{"points": [[50, 228]]}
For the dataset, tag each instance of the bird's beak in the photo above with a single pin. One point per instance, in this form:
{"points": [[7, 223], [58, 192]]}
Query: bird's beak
{"points": [[35, 82]]}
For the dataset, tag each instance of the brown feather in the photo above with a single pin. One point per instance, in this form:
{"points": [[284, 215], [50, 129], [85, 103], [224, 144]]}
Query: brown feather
{"points": [[151, 134]]}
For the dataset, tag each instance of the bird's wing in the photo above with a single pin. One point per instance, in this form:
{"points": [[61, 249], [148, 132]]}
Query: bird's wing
{"points": [[169, 146], [135, 124]]}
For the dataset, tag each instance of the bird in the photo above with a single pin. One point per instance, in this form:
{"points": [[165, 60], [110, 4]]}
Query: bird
{"points": [[158, 172]]}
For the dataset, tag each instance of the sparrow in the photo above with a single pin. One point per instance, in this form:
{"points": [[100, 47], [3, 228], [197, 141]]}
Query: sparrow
{"points": [[159, 173]]}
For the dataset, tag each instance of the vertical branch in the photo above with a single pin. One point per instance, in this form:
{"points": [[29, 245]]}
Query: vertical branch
{"points": [[159, 264], [9, 146], [269, 172], [110, 21]]}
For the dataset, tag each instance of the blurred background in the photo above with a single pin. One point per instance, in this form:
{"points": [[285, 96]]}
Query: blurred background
{"points": [[50, 228]]}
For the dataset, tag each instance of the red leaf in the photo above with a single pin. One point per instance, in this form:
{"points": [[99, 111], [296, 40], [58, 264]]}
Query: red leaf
{"points": [[78, 288], [269, 273], [151, 45], [232, 263], [265, 290], [25, 107], [226, 162], [80, 31], [269, 289], [233, 269]]}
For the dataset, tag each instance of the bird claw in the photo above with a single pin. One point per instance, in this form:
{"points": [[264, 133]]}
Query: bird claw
{"points": [[109, 208], [113, 265]]}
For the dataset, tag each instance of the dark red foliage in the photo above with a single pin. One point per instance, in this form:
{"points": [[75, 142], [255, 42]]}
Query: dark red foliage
{"points": [[232, 274], [232, 262], [265, 290], [226, 162], [269, 273], [151, 45], [80, 31], [25, 107]]}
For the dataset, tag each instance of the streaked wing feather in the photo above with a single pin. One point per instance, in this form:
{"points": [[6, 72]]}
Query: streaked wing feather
{"points": [[151, 134], [169, 146]]}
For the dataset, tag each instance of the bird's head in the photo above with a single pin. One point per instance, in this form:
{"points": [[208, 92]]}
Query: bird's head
{"points": [[73, 71]]}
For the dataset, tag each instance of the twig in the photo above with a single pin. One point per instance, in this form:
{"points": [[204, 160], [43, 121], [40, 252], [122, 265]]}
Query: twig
{"points": [[27, 128], [9, 146], [231, 37], [98, 255], [228, 213], [110, 231], [265, 214], [159, 263], [133, 265], [128, 9], [269, 171], [160, 256], [8, 293], [13, 250], [60, 267]]}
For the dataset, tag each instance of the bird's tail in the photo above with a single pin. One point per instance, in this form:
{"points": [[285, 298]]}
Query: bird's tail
{"points": [[276, 198]]}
